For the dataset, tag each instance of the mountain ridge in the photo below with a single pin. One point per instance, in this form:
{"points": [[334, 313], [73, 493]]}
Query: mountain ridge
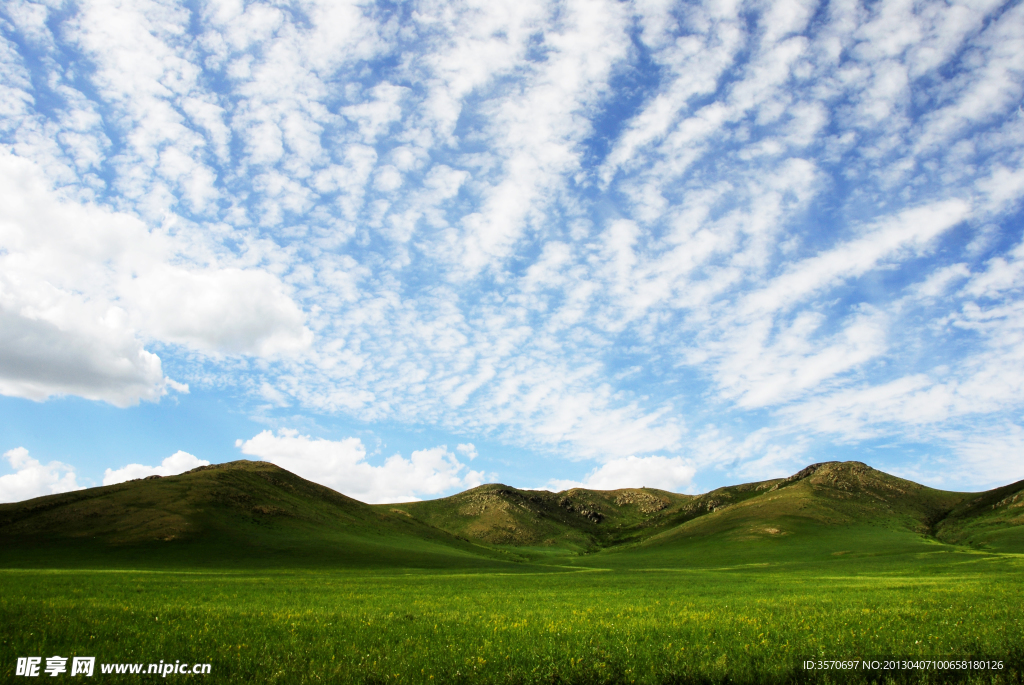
{"points": [[828, 492], [254, 511]]}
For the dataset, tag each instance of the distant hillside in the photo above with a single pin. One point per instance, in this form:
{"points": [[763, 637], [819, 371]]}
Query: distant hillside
{"points": [[993, 520], [256, 514], [243, 511], [831, 493], [822, 499], [577, 519]]}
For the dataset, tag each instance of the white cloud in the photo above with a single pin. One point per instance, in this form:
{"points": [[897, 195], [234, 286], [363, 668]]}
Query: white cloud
{"points": [[948, 390], [83, 288], [1003, 188], [375, 115], [797, 360], [993, 85], [34, 479], [535, 131], [220, 310], [986, 459], [1001, 274], [40, 359], [696, 63], [976, 459], [939, 281], [177, 463], [342, 466], [898, 237], [665, 473]]}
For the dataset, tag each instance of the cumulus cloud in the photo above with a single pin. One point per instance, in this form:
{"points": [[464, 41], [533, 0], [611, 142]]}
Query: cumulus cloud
{"points": [[665, 473], [225, 310], [83, 288], [32, 478], [342, 466], [179, 462], [39, 359]]}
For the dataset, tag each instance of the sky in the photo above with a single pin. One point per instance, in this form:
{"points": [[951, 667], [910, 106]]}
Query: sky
{"points": [[403, 249]]}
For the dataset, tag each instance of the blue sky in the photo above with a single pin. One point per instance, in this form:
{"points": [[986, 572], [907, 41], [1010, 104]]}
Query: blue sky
{"points": [[405, 249]]}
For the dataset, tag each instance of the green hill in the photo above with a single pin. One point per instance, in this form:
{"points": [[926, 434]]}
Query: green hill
{"points": [[823, 511], [992, 520], [827, 494], [577, 520], [255, 514], [831, 493], [243, 512]]}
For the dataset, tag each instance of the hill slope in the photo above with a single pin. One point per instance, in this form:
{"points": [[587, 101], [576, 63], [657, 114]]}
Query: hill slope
{"points": [[243, 512], [576, 519], [825, 510], [851, 505], [255, 514], [830, 493], [992, 520]]}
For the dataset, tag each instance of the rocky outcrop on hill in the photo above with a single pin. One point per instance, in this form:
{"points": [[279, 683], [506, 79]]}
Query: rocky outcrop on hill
{"points": [[646, 502]]}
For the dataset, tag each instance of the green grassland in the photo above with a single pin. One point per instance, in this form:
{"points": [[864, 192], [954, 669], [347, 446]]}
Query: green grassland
{"points": [[272, 579], [595, 626]]}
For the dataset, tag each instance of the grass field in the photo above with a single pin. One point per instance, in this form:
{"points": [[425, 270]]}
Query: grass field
{"points": [[542, 624], [272, 579]]}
